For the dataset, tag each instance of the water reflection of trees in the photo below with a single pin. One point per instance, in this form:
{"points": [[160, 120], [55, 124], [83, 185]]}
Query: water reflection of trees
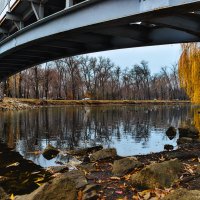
{"points": [[70, 127]]}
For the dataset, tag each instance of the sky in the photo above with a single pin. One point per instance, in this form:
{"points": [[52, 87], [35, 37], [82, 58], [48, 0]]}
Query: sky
{"points": [[157, 56]]}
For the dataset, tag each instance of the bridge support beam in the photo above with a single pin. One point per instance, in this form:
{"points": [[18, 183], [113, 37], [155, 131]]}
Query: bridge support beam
{"points": [[69, 3], [4, 31], [38, 9], [17, 20]]}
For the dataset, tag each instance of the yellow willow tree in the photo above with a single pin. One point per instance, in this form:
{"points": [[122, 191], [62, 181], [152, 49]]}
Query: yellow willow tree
{"points": [[189, 70]]}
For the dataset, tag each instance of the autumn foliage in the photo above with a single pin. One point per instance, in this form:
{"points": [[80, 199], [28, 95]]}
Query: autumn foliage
{"points": [[189, 70]]}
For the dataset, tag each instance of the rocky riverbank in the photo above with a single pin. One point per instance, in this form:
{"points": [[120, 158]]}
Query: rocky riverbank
{"points": [[14, 104], [98, 173]]}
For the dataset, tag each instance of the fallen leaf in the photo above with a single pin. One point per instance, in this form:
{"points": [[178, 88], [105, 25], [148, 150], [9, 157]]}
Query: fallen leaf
{"points": [[115, 178], [127, 177], [13, 165], [80, 195], [12, 197], [39, 184], [146, 194], [135, 197], [119, 192]]}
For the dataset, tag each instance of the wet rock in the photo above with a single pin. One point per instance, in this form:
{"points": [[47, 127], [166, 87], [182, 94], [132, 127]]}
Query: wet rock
{"points": [[104, 154], [188, 131], [78, 177], [3, 195], [168, 147], [89, 167], [59, 189], [171, 132], [125, 165], [196, 141], [158, 175], [86, 159], [183, 194], [50, 152], [92, 195], [184, 140], [90, 192], [58, 169], [182, 155], [83, 152]]}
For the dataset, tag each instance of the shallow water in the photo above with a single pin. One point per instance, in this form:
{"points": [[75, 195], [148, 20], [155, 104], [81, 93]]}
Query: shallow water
{"points": [[131, 130]]}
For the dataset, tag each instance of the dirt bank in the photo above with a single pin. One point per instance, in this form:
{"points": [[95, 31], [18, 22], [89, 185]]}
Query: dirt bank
{"points": [[21, 104]]}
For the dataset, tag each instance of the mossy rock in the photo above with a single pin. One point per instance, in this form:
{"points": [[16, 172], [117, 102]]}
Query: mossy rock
{"points": [[78, 177], [3, 195], [83, 152], [158, 175], [184, 140], [123, 166], [183, 194], [50, 152], [189, 131], [104, 154], [59, 189]]}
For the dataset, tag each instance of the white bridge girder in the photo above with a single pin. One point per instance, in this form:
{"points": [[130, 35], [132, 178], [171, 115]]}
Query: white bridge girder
{"points": [[98, 25]]}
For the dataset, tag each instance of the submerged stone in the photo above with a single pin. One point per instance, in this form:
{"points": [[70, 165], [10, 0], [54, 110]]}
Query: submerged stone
{"points": [[125, 165], [84, 152], [50, 152], [168, 147], [104, 154], [158, 175], [171, 132], [183, 194]]}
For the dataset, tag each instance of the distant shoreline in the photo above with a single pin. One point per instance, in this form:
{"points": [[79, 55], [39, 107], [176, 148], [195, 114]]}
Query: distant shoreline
{"points": [[100, 102], [10, 104]]}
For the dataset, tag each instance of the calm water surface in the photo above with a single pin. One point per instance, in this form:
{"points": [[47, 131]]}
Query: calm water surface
{"points": [[131, 130]]}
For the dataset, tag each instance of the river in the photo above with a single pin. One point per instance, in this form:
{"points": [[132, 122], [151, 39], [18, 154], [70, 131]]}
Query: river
{"points": [[132, 130]]}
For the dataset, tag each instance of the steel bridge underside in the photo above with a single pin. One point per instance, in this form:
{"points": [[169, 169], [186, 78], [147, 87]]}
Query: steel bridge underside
{"points": [[99, 25]]}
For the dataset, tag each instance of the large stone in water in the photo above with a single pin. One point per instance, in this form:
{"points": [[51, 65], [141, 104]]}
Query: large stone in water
{"points": [[125, 165], [171, 132], [188, 131], [158, 175], [84, 152], [50, 152]]}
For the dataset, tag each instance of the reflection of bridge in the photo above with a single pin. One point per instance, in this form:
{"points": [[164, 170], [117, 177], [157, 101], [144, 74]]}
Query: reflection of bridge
{"points": [[36, 31]]}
